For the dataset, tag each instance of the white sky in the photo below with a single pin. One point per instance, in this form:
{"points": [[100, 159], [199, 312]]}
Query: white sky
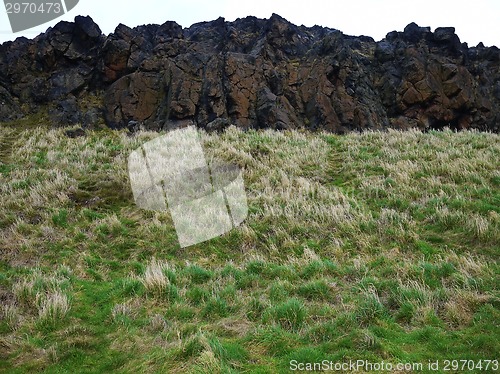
{"points": [[474, 20]]}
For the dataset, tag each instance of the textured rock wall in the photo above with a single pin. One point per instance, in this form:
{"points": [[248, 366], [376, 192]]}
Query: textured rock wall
{"points": [[253, 73]]}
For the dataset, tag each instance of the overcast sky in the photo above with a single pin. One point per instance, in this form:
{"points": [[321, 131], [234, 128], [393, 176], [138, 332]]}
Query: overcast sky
{"points": [[474, 20]]}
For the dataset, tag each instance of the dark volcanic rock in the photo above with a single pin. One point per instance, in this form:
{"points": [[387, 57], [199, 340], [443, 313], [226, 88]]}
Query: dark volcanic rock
{"points": [[66, 112], [253, 73]]}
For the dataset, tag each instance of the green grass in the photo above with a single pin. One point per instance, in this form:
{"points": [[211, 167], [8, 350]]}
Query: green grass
{"points": [[376, 246]]}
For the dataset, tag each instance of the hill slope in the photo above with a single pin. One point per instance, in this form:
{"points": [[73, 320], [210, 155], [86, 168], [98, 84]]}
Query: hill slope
{"points": [[376, 246]]}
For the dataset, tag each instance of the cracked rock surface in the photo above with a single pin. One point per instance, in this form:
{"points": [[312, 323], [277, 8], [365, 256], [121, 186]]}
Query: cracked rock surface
{"points": [[253, 73]]}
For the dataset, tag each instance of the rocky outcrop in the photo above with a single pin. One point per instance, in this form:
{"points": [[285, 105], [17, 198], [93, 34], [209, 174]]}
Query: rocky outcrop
{"points": [[253, 73]]}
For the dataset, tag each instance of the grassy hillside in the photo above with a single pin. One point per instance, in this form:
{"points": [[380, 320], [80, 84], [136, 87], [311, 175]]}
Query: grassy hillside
{"points": [[376, 246]]}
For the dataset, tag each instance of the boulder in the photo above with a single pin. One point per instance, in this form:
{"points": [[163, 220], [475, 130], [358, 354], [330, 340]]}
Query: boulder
{"points": [[66, 113]]}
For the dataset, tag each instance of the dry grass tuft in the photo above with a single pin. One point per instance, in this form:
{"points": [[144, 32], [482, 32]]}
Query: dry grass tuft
{"points": [[52, 307], [154, 278], [12, 316]]}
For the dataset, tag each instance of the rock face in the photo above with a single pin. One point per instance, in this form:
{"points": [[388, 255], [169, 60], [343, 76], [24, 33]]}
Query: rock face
{"points": [[253, 73]]}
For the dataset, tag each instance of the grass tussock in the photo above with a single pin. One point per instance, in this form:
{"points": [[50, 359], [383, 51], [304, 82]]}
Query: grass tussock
{"points": [[377, 246], [52, 307], [154, 279]]}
